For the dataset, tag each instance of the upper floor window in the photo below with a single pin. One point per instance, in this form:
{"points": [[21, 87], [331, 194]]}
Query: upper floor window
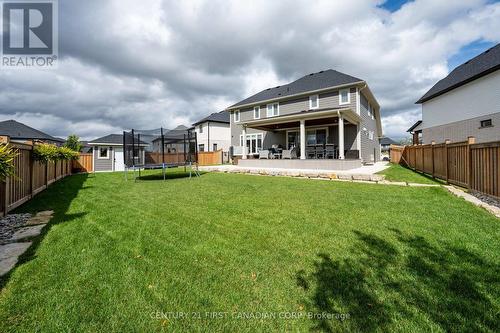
{"points": [[273, 110], [486, 123], [345, 96], [256, 112], [236, 116], [313, 102], [200, 129]]}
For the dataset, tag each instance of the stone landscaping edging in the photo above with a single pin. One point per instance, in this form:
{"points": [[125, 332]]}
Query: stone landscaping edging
{"points": [[16, 230], [472, 199], [355, 178]]}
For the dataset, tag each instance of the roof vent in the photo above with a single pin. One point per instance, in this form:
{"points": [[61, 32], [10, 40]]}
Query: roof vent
{"points": [[487, 51], [268, 89], [311, 74], [321, 72], [277, 87]]}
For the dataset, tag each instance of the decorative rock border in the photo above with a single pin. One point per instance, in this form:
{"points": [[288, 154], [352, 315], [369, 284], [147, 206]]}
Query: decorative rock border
{"points": [[20, 227], [322, 175], [472, 199]]}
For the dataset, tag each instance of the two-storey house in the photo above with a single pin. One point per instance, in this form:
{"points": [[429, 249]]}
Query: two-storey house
{"points": [[327, 117]]}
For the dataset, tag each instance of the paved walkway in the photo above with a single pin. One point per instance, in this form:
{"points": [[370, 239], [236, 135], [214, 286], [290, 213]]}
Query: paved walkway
{"points": [[19, 242]]}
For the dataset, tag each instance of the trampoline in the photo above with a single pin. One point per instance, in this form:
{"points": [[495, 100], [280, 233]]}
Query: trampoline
{"points": [[158, 156]]}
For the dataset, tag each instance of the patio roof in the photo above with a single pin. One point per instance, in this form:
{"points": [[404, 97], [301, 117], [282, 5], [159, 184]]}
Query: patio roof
{"points": [[290, 120]]}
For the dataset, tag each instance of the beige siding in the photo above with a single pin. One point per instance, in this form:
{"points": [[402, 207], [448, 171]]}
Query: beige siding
{"points": [[461, 130]]}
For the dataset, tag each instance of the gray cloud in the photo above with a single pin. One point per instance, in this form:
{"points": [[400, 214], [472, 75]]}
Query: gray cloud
{"points": [[146, 64]]}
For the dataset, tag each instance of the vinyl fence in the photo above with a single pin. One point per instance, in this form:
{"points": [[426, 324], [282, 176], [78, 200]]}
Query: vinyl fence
{"points": [[31, 178], [466, 164]]}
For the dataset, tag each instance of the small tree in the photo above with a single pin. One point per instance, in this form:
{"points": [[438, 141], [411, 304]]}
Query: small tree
{"points": [[73, 143], [7, 155]]}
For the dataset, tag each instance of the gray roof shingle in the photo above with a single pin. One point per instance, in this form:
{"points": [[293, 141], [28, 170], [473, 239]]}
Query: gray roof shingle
{"points": [[311, 82], [16, 130], [485, 63], [218, 117], [116, 139], [387, 141]]}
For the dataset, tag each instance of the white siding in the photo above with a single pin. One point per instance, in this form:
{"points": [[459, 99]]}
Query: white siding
{"points": [[220, 134], [475, 99]]}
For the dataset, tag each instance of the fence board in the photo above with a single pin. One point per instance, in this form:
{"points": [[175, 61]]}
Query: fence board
{"points": [[476, 166], [210, 158], [31, 177], [83, 164]]}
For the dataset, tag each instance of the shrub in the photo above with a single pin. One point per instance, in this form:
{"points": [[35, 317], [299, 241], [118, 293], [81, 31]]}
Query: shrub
{"points": [[7, 155], [66, 153], [45, 152]]}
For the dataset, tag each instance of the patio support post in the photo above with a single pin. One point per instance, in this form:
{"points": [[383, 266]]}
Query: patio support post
{"points": [[244, 148], [302, 139], [341, 137]]}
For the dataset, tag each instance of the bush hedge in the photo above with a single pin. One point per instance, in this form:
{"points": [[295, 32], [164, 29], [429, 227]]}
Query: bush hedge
{"points": [[46, 152], [7, 155]]}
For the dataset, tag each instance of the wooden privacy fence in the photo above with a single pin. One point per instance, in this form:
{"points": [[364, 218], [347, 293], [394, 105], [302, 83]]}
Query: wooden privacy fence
{"points": [[210, 158], [466, 164], [205, 158], [31, 177], [84, 163]]}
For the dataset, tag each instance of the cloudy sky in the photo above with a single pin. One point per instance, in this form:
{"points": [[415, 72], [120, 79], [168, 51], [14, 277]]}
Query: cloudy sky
{"points": [[151, 63]]}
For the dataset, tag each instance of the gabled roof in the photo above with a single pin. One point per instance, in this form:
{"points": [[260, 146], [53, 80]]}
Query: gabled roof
{"points": [[312, 82], [112, 139], [387, 141], [19, 131], [484, 64], [218, 117], [414, 126]]}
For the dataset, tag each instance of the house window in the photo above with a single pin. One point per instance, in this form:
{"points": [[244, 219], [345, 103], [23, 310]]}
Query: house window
{"points": [[486, 123], [200, 128], [371, 135], [256, 112], [345, 97], [103, 152], [314, 102], [253, 142], [215, 147], [201, 148], [316, 137], [236, 116], [273, 110]]}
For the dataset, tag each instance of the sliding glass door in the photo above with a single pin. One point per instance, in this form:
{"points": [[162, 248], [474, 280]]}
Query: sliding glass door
{"points": [[253, 142]]}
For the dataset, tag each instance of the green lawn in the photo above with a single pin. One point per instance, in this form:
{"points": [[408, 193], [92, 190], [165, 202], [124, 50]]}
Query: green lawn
{"points": [[263, 252], [398, 173]]}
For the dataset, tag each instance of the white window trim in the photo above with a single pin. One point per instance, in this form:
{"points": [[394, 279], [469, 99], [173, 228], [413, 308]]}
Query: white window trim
{"points": [[237, 119], [348, 96], [256, 108], [310, 102], [251, 137], [99, 157], [278, 110]]}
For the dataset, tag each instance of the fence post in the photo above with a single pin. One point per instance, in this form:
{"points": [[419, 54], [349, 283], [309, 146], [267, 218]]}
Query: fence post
{"points": [[446, 143], [31, 169], [432, 156], [470, 141]]}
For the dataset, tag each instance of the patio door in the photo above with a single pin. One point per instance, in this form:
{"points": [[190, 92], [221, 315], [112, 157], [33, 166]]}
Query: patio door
{"points": [[293, 140]]}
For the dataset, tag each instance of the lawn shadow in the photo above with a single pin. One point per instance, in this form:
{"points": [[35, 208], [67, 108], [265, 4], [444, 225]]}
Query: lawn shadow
{"points": [[410, 278], [58, 198], [177, 174]]}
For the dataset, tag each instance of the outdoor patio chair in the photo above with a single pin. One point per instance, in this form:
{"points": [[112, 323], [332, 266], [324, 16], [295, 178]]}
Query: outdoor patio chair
{"points": [[311, 152], [290, 154], [264, 154], [330, 152]]}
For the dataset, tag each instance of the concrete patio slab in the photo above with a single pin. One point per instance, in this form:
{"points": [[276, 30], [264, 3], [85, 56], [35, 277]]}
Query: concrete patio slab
{"points": [[9, 255]]}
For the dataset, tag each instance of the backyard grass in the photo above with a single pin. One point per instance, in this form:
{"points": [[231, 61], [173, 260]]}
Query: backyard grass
{"points": [[398, 173], [241, 253]]}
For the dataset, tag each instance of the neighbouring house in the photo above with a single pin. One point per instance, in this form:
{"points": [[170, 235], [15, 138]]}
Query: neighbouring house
{"points": [[19, 132], [328, 120], [385, 146], [171, 147], [416, 132], [108, 153], [465, 103], [213, 132]]}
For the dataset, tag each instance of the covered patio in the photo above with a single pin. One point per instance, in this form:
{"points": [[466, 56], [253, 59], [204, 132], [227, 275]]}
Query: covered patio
{"points": [[319, 139]]}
